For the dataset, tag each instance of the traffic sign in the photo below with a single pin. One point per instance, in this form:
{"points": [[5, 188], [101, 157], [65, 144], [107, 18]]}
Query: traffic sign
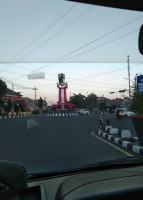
{"points": [[140, 84]]}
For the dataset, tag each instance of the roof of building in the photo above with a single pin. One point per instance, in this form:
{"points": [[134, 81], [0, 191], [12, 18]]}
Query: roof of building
{"points": [[12, 93]]}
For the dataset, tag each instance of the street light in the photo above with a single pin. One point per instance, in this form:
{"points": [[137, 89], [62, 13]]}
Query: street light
{"points": [[120, 91]]}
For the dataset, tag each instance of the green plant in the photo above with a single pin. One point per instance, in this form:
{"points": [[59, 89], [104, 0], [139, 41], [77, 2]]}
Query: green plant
{"points": [[137, 101]]}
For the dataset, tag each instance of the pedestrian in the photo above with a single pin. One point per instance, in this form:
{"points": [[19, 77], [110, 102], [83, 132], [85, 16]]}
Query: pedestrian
{"points": [[101, 121], [108, 118]]}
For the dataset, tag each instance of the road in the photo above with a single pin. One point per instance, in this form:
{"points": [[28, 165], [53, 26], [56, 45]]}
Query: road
{"points": [[44, 143]]}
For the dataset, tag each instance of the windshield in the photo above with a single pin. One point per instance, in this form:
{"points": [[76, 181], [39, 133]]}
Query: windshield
{"points": [[57, 57]]}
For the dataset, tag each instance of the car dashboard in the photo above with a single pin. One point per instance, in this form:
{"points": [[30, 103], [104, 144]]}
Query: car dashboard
{"points": [[123, 183]]}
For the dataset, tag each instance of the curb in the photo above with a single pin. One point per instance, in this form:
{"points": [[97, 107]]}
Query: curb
{"points": [[14, 117], [124, 143]]}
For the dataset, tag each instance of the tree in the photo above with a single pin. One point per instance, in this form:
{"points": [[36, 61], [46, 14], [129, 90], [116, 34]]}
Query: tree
{"points": [[137, 101], [40, 103], [102, 105], [78, 100], [91, 101], [3, 87]]}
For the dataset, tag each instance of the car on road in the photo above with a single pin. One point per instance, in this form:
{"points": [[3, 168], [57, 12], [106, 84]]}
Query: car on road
{"points": [[77, 110], [84, 112], [112, 110], [119, 110], [127, 113], [118, 113]]}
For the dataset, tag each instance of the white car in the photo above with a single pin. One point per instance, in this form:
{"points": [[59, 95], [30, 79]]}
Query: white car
{"points": [[127, 113], [84, 112]]}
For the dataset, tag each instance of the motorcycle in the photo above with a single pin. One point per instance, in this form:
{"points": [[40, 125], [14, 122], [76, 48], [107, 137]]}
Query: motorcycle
{"points": [[119, 115]]}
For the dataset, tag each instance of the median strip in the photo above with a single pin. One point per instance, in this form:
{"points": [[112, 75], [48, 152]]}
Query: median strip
{"points": [[124, 140], [103, 140]]}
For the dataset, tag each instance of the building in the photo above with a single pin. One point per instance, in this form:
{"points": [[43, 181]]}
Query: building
{"points": [[113, 102], [16, 97]]}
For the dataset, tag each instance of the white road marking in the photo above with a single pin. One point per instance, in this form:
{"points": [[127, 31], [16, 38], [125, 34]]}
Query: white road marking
{"points": [[31, 123], [128, 154]]}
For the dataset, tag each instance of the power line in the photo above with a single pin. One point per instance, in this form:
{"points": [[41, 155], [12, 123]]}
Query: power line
{"points": [[87, 10], [106, 72], [101, 83], [59, 60], [98, 86], [95, 41], [11, 72], [83, 53], [17, 85], [87, 51], [45, 31], [65, 27], [101, 37], [12, 65]]}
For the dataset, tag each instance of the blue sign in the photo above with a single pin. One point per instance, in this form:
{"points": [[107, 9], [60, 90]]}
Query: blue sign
{"points": [[140, 84]]}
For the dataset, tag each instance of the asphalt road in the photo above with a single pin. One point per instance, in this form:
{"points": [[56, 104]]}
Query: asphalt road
{"points": [[44, 143]]}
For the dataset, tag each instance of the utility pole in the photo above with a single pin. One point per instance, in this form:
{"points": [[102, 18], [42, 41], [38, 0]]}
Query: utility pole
{"points": [[35, 94], [12, 87], [129, 77], [12, 100]]}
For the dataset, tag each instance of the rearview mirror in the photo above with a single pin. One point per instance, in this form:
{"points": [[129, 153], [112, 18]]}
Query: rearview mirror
{"points": [[141, 40]]}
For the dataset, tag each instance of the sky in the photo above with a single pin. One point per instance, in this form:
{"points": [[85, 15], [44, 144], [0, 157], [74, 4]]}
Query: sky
{"points": [[88, 43]]}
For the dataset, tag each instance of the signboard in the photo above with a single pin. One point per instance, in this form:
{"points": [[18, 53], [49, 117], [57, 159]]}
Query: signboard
{"points": [[61, 78], [39, 75], [140, 84]]}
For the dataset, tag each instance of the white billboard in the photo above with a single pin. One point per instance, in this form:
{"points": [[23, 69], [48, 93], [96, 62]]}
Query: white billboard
{"points": [[39, 75]]}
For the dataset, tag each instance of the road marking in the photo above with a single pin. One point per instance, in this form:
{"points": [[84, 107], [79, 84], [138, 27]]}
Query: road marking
{"points": [[32, 123], [128, 154]]}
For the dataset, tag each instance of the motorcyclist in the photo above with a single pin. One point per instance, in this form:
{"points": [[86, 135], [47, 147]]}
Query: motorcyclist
{"points": [[118, 114]]}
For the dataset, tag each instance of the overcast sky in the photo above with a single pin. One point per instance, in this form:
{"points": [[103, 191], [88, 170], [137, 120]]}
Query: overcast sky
{"points": [[79, 40]]}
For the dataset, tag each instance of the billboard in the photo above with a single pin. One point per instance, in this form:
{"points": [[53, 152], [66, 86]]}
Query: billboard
{"points": [[140, 84], [39, 75], [61, 78]]}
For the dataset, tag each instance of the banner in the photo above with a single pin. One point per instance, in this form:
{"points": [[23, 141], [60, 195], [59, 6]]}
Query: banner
{"points": [[140, 84]]}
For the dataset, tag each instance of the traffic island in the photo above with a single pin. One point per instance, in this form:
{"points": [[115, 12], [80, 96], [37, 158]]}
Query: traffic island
{"points": [[123, 139], [138, 125]]}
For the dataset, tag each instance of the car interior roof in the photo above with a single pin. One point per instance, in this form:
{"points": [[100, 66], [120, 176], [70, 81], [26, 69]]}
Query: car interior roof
{"points": [[136, 5]]}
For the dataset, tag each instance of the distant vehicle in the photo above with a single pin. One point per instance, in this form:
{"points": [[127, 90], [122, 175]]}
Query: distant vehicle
{"points": [[118, 113], [77, 110], [112, 110], [84, 112], [119, 110], [127, 113]]}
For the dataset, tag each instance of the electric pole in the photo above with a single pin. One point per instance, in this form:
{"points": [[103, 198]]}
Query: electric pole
{"points": [[129, 77], [12, 99], [12, 87], [35, 94]]}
